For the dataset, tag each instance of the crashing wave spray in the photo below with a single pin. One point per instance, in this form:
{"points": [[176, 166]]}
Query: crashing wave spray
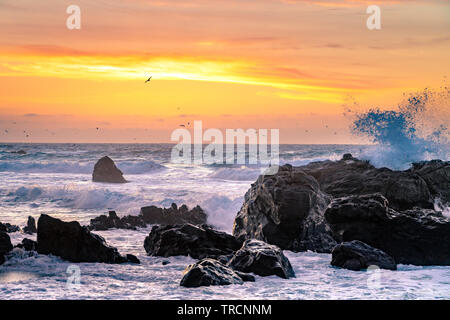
{"points": [[416, 130]]}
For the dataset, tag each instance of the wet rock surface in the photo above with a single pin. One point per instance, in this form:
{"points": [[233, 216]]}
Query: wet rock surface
{"points": [[5, 246], [30, 228], [8, 228], [72, 242], [416, 236], [105, 170], [317, 206], [356, 255], [189, 240], [27, 245], [150, 215], [262, 259], [210, 272]]}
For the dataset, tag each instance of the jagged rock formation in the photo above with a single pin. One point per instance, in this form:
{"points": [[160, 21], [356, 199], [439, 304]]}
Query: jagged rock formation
{"points": [[288, 209]]}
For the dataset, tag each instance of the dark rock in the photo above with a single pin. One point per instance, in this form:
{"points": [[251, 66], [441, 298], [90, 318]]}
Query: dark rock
{"points": [[73, 242], [105, 170], [183, 240], [356, 255], [27, 245], [31, 226], [417, 236], [436, 174], [132, 259], [246, 277], [165, 262], [5, 246], [173, 215], [262, 259], [225, 258], [150, 215], [8, 228], [286, 209], [404, 189], [22, 152], [104, 222], [209, 272], [347, 156]]}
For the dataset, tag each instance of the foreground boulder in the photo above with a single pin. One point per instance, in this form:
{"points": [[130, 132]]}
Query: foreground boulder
{"points": [[262, 259], [31, 226], [417, 236], [5, 246], [105, 170], [210, 272], [150, 215], [286, 209], [73, 242], [356, 255], [8, 228], [188, 240]]}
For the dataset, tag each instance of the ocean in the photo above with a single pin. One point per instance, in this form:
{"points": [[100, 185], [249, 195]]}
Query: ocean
{"points": [[56, 179]]}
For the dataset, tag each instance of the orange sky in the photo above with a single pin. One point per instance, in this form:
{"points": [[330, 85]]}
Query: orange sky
{"points": [[286, 64]]}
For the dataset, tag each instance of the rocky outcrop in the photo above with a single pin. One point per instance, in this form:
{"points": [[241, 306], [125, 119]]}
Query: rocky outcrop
{"points": [[5, 246], [73, 242], [105, 170], [286, 209], [27, 245], [210, 272], [150, 215], [173, 215], [356, 255], [110, 221], [350, 176], [262, 259], [189, 240], [416, 236], [8, 228], [436, 174], [31, 226]]}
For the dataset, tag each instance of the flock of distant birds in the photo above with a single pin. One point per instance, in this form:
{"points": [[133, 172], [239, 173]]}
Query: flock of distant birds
{"points": [[28, 134]]}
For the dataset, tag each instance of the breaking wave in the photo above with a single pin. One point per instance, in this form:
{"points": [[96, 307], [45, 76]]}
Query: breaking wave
{"points": [[416, 130]]}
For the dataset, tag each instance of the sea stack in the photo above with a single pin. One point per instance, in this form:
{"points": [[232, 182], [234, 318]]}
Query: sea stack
{"points": [[105, 170]]}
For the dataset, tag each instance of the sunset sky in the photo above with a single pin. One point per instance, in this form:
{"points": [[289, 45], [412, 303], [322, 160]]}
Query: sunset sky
{"points": [[293, 65]]}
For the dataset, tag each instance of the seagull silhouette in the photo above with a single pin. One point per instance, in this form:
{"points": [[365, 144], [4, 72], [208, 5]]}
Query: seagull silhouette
{"points": [[148, 80], [182, 125]]}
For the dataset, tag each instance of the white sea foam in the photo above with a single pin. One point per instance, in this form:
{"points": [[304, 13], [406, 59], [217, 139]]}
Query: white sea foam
{"points": [[416, 130], [68, 193]]}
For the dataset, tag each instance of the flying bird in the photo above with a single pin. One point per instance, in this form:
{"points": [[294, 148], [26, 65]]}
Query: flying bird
{"points": [[148, 80], [182, 125]]}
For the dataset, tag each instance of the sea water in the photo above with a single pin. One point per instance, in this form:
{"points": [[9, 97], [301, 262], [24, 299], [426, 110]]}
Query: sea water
{"points": [[56, 179]]}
